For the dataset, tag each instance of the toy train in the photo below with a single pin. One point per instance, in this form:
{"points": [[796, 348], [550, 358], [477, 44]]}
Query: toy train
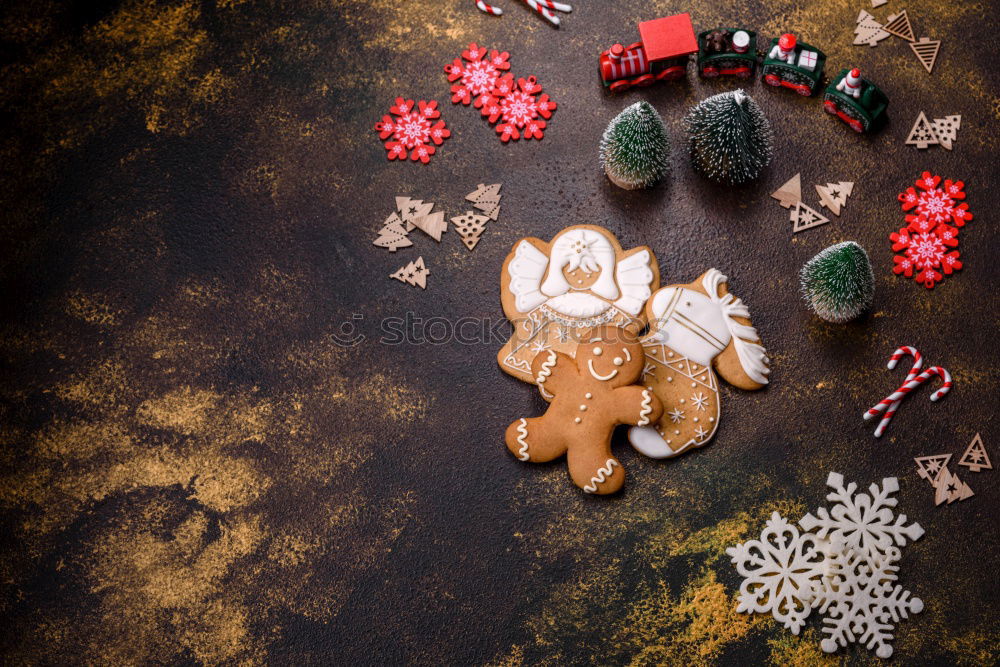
{"points": [[666, 44]]}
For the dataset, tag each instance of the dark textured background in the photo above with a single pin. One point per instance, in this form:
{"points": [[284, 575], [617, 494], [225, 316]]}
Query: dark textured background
{"points": [[194, 471]]}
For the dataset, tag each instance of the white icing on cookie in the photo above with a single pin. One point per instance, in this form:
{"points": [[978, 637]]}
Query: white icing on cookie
{"points": [[647, 399], [602, 378], [546, 368], [522, 430], [602, 476]]}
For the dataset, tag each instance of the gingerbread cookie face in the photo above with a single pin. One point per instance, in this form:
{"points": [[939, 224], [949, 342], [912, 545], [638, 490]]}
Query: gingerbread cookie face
{"points": [[695, 328], [555, 291], [588, 396]]}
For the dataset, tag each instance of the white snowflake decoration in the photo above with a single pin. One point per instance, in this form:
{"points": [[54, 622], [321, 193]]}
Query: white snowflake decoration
{"points": [[844, 566], [862, 522], [861, 601], [782, 569]]}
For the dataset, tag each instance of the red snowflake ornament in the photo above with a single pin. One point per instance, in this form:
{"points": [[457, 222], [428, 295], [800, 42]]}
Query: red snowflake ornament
{"points": [[411, 133], [514, 105], [936, 204], [477, 75], [925, 252]]}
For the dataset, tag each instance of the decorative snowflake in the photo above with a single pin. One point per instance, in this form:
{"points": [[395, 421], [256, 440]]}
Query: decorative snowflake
{"points": [[782, 570], [516, 104], [649, 369], [676, 415], [699, 401], [412, 130], [539, 346], [861, 602], [478, 74], [864, 523], [934, 203], [700, 432], [926, 252]]}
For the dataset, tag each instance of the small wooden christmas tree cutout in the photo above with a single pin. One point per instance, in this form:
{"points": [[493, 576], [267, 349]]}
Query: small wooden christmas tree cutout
{"points": [[470, 227], [393, 234], [411, 210], [414, 273], [868, 30], [930, 467], [878, 3], [486, 198], [946, 129], [805, 218], [927, 52], [899, 25], [834, 195], [433, 224], [789, 194], [949, 487], [975, 456], [922, 135]]}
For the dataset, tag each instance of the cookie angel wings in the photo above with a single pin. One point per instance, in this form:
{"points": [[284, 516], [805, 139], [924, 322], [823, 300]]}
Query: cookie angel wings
{"points": [[693, 328], [553, 292]]}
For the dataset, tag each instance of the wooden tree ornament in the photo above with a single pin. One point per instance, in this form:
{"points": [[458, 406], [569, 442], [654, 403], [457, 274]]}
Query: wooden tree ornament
{"points": [[393, 234], [433, 224], [470, 227], [868, 30], [930, 467], [949, 487], [922, 135], [805, 218], [899, 25], [834, 195], [411, 210], [879, 3], [414, 273], [975, 456], [927, 51], [486, 198], [946, 130], [789, 194]]}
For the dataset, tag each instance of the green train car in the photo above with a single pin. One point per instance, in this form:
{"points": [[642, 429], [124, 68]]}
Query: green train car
{"points": [[727, 52], [803, 75], [865, 113]]}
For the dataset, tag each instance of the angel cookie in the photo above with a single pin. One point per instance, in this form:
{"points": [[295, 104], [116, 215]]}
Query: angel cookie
{"points": [[589, 396], [693, 328], [552, 292]]}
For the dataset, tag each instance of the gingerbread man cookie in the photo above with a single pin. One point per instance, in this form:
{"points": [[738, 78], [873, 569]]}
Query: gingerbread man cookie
{"points": [[693, 328], [589, 396], [553, 292]]}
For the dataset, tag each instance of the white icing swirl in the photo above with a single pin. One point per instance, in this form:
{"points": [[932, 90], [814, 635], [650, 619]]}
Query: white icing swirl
{"points": [[602, 476], [522, 430], [647, 399]]}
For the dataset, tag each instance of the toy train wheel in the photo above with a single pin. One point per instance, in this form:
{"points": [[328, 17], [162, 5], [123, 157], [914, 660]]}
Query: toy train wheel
{"points": [[619, 86], [772, 80], [672, 73], [710, 72], [830, 107], [744, 73], [645, 80], [804, 91], [857, 126]]}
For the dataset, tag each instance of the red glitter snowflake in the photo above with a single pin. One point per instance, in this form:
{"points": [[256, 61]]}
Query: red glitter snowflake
{"points": [[412, 130], [478, 75], [514, 105], [925, 252], [936, 204]]}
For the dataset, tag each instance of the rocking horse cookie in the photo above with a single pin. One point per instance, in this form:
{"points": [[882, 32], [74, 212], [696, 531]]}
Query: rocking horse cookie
{"points": [[554, 291], [588, 397], [694, 328]]}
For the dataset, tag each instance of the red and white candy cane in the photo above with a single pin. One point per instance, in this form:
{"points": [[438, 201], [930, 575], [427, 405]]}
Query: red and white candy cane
{"points": [[558, 6], [552, 18], [918, 364], [909, 386], [489, 9]]}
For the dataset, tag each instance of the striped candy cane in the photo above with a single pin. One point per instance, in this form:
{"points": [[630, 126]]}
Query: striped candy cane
{"points": [[558, 6], [918, 364], [552, 18], [489, 9], [910, 386]]}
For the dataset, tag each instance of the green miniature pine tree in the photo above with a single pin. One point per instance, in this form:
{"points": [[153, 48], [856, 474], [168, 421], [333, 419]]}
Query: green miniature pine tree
{"points": [[730, 138], [635, 151], [838, 283]]}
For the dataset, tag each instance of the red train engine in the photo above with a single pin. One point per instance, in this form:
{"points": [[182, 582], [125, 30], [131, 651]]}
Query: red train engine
{"points": [[661, 54]]}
